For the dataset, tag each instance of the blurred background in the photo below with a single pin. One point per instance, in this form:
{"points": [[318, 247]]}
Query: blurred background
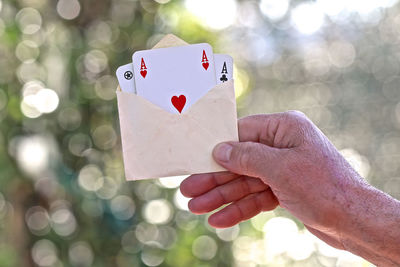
{"points": [[64, 200]]}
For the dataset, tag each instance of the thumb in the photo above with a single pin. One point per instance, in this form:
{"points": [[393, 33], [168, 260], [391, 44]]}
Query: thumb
{"points": [[249, 158]]}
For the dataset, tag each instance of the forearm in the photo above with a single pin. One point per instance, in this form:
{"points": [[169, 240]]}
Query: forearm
{"points": [[371, 227]]}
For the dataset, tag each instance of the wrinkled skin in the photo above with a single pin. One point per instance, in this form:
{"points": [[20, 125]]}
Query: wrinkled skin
{"points": [[284, 159]]}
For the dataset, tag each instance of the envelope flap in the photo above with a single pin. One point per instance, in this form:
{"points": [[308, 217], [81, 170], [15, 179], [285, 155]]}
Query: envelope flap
{"points": [[169, 40], [216, 98]]}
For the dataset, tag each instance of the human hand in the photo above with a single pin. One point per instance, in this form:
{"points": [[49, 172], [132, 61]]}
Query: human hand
{"points": [[281, 159]]}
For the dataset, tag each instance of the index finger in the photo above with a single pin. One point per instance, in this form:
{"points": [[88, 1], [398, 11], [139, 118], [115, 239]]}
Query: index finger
{"points": [[198, 184], [279, 130]]}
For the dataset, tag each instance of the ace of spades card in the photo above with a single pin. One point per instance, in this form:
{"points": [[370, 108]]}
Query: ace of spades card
{"points": [[174, 78]]}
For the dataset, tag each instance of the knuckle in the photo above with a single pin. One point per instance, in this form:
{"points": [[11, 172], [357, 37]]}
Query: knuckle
{"points": [[295, 115], [297, 119]]}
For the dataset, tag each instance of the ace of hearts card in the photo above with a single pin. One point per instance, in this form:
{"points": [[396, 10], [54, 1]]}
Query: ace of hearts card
{"points": [[174, 78]]}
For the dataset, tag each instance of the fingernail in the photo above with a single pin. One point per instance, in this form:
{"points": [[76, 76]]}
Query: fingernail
{"points": [[222, 152]]}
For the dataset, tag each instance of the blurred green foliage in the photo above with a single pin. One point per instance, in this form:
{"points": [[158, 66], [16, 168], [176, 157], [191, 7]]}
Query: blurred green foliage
{"points": [[64, 199]]}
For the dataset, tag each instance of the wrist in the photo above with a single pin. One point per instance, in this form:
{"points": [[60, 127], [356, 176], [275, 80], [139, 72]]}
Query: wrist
{"points": [[369, 226]]}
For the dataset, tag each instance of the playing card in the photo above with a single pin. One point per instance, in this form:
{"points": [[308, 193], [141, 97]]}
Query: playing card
{"points": [[223, 67], [174, 78], [125, 78]]}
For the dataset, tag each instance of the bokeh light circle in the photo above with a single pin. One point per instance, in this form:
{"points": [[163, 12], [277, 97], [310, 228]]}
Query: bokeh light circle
{"points": [[29, 20], [47, 100], [122, 207], [63, 222], [69, 118], [68, 9], [90, 178], [27, 50], [104, 137], [33, 154], [108, 189], [216, 15], [157, 211], [81, 254], [130, 243], [274, 9], [152, 257], [307, 17], [44, 253], [37, 220], [204, 247], [228, 234], [342, 54], [79, 143], [37, 99]]}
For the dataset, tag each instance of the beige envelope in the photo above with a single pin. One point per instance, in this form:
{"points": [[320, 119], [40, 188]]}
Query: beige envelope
{"points": [[157, 143]]}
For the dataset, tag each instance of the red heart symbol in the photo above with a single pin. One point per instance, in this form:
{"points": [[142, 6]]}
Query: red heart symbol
{"points": [[205, 65], [143, 73], [178, 102]]}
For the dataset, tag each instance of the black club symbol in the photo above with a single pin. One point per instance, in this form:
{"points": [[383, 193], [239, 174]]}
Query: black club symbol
{"points": [[128, 75], [223, 78]]}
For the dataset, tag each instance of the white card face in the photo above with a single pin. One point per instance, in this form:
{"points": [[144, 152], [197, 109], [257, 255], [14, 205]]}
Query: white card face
{"points": [[174, 78], [125, 78], [223, 68]]}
